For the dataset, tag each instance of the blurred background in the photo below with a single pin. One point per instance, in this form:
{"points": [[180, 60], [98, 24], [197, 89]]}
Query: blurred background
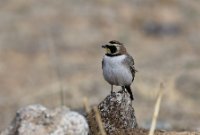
{"points": [[50, 54]]}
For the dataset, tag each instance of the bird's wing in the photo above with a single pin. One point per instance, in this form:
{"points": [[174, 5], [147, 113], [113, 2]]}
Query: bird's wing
{"points": [[130, 62]]}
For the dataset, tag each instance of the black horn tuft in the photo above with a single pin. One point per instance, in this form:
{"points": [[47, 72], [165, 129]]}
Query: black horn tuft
{"points": [[115, 42]]}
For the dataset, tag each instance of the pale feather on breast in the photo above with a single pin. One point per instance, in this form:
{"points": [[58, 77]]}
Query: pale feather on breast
{"points": [[114, 70], [114, 60]]}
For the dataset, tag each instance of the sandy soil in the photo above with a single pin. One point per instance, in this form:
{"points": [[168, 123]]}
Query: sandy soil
{"points": [[51, 48]]}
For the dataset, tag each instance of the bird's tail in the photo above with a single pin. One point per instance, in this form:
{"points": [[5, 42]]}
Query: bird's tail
{"points": [[128, 88]]}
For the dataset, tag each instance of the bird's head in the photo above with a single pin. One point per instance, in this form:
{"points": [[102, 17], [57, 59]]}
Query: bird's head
{"points": [[114, 48]]}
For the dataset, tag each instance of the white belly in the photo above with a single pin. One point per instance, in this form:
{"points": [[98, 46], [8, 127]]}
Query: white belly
{"points": [[115, 72]]}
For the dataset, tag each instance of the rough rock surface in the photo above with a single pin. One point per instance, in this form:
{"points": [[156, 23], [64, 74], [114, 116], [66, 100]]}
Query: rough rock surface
{"points": [[116, 113], [38, 120]]}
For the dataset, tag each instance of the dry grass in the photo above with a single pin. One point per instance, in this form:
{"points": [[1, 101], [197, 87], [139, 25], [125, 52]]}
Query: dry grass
{"points": [[156, 110], [86, 105], [99, 121]]}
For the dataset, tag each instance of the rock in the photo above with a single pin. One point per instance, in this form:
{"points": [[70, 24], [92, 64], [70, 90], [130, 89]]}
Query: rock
{"points": [[116, 113], [38, 120]]}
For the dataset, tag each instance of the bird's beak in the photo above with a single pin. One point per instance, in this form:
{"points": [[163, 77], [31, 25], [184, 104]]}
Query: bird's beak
{"points": [[103, 46], [106, 48]]}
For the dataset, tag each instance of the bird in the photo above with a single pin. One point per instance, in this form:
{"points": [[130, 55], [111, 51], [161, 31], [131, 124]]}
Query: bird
{"points": [[118, 66]]}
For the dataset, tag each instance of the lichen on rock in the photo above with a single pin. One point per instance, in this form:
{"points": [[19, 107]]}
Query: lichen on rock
{"points": [[38, 120], [116, 113]]}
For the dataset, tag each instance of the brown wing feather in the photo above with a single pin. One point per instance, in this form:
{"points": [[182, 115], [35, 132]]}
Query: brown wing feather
{"points": [[130, 62]]}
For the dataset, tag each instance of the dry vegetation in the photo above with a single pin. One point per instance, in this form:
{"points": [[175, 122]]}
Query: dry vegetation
{"points": [[50, 47]]}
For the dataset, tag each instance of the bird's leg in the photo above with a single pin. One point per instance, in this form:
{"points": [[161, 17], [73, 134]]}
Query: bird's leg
{"points": [[123, 89], [111, 89]]}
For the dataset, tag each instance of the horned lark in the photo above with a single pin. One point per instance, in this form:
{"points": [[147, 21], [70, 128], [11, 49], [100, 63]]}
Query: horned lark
{"points": [[118, 66]]}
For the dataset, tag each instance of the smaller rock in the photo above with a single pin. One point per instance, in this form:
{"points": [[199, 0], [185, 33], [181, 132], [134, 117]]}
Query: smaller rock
{"points": [[38, 120]]}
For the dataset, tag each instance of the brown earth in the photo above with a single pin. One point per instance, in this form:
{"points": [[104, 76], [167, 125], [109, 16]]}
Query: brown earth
{"points": [[140, 131]]}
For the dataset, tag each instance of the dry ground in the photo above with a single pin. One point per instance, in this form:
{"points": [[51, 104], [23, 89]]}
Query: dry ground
{"points": [[47, 46]]}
